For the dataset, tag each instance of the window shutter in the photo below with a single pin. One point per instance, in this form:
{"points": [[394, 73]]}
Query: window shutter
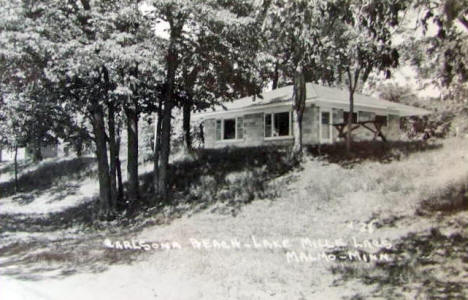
{"points": [[240, 128], [218, 130]]}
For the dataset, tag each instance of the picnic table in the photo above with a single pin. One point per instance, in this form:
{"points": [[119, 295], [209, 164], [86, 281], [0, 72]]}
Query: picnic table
{"points": [[375, 126]]}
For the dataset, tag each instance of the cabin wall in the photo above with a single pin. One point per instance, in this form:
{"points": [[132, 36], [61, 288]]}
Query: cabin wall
{"points": [[209, 132], [49, 151], [9, 155], [311, 125], [254, 129], [392, 130]]}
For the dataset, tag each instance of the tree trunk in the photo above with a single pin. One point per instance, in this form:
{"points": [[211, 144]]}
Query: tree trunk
{"points": [[111, 140], [36, 150], [78, 146], [165, 151], [16, 169], [353, 82], [101, 154], [157, 150], [349, 136], [276, 76], [297, 132], [190, 80], [187, 108], [132, 152], [113, 155], [299, 97], [118, 166], [172, 63]]}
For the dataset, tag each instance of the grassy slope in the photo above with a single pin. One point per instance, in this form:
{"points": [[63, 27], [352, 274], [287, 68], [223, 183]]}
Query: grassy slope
{"points": [[319, 202]]}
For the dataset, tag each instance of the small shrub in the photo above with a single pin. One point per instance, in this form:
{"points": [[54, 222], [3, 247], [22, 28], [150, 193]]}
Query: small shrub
{"points": [[451, 199]]}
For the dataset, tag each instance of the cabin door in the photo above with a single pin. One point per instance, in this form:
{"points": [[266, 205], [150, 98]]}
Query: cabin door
{"points": [[326, 126]]}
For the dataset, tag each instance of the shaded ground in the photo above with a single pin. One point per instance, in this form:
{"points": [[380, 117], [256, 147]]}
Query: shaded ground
{"points": [[429, 264], [56, 245], [384, 152], [223, 179], [47, 175], [10, 168]]}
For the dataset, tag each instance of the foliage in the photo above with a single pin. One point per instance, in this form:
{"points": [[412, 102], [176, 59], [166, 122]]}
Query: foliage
{"points": [[442, 53], [397, 93], [31, 116]]}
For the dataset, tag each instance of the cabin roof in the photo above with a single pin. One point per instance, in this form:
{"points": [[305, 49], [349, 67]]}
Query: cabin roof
{"points": [[315, 93]]}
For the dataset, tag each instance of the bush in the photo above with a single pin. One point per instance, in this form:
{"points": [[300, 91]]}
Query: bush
{"points": [[230, 176]]}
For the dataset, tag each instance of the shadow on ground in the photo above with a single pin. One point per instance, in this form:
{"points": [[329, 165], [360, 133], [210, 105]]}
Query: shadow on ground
{"points": [[226, 179], [71, 241], [9, 167], [427, 264], [47, 174], [223, 180], [384, 152], [58, 257], [56, 245]]}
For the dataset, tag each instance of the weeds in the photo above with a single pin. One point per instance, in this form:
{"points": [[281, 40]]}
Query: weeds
{"points": [[384, 152], [451, 199]]}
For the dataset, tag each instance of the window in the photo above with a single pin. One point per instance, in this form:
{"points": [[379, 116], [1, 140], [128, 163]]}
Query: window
{"points": [[278, 124], [229, 132], [365, 116], [345, 117], [230, 129], [381, 119]]}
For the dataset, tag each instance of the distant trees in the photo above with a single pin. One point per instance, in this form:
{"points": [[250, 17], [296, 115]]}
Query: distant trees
{"points": [[30, 116], [396, 93], [442, 53], [13, 136]]}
